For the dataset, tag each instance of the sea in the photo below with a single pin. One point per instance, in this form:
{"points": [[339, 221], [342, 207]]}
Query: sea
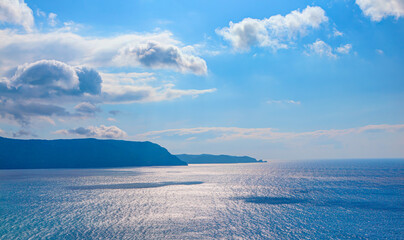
{"points": [[321, 199]]}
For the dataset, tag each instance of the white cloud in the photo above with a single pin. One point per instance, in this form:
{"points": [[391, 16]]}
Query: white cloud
{"points": [[275, 32], [138, 87], [40, 13], [52, 21], [344, 49], [146, 93], [235, 133], [43, 88], [379, 51], [379, 9], [48, 79], [16, 12], [156, 50], [283, 102], [96, 132], [320, 48], [158, 55], [337, 33]]}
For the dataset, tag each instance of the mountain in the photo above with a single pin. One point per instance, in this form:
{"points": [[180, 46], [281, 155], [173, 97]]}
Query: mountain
{"points": [[208, 158], [82, 153]]}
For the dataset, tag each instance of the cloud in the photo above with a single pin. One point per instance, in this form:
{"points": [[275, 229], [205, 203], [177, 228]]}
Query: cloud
{"points": [[320, 48], [52, 21], [89, 80], [157, 55], [154, 51], [96, 132], [283, 102], [275, 32], [337, 33], [86, 108], [344, 49], [49, 79], [41, 88], [22, 111], [23, 133], [235, 133], [16, 12], [379, 51], [145, 93], [379, 9]]}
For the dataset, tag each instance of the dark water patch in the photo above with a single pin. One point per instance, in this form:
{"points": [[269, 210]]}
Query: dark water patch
{"points": [[273, 200], [132, 185]]}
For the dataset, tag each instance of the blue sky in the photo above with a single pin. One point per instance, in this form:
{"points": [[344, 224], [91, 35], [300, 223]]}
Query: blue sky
{"points": [[268, 79]]}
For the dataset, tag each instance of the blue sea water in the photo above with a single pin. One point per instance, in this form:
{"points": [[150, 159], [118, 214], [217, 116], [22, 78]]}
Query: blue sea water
{"points": [[340, 199]]}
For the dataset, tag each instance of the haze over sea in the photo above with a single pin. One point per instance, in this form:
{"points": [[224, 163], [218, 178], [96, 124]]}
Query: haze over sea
{"points": [[330, 199]]}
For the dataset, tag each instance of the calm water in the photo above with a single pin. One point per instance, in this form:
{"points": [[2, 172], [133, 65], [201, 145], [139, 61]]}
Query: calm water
{"points": [[311, 200]]}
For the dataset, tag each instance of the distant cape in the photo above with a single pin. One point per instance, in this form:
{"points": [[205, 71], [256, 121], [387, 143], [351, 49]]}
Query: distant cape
{"points": [[208, 158], [82, 153]]}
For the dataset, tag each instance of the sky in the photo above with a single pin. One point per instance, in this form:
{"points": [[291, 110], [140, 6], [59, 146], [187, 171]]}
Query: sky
{"points": [[267, 79]]}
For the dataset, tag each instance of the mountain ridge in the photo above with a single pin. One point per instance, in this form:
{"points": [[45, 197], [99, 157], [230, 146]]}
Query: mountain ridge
{"points": [[210, 158], [82, 153]]}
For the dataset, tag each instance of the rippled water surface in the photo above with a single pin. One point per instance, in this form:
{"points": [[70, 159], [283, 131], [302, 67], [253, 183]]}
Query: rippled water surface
{"points": [[358, 199]]}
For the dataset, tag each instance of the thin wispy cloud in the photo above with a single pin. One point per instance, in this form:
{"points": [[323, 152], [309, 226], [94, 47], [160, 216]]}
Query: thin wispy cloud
{"points": [[284, 102], [235, 133]]}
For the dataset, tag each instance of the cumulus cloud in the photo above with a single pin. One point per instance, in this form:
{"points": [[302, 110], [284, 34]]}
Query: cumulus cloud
{"points": [[96, 132], [41, 88], [320, 48], [16, 12], [158, 55], [344, 49], [275, 32], [33, 87], [38, 89], [50, 78], [379, 9], [155, 51]]}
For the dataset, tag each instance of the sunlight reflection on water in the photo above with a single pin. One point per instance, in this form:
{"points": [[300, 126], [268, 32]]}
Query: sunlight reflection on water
{"points": [[258, 201]]}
